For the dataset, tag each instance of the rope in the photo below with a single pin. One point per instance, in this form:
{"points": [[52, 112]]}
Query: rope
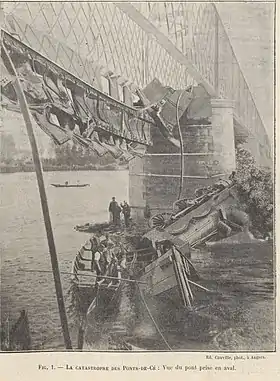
{"points": [[152, 318], [84, 275], [181, 148]]}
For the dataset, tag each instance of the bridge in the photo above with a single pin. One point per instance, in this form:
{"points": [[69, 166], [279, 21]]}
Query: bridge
{"points": [[116, 52]]}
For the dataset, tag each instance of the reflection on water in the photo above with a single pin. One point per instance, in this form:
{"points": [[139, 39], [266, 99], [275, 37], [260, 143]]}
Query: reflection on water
{"points": [[238, 315]]}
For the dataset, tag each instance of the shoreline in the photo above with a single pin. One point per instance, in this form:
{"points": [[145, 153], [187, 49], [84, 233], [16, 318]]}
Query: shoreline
{"points": [[18, 169]]}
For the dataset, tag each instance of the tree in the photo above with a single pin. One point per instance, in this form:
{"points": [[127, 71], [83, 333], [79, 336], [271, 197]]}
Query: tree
{"points": [[8, 148], [72, 153], [255, 188]]}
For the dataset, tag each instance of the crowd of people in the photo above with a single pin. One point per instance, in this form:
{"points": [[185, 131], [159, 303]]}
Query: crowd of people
{"points": [[116, 210], [107, 258]]}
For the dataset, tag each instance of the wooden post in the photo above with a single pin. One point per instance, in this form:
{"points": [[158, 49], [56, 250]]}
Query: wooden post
{"points": [[43, 198]]}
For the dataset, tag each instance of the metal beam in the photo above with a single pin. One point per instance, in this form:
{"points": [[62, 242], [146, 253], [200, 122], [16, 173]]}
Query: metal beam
{"points": [[149, 28]]}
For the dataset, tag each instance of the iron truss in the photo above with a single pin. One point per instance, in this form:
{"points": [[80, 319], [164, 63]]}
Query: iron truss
{"points": [[66, 107]]}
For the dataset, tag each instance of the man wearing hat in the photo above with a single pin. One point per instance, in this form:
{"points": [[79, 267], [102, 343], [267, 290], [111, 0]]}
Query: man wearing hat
{"points": [[95, 255], [126, 213], [115, 211], [108, 252]]}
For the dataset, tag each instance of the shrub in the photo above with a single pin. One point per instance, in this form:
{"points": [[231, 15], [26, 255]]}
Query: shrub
{"points": [[255, 188]]}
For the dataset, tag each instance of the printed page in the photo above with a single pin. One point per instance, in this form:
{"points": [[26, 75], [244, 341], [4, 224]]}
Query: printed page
{"points": [[138, 190]]}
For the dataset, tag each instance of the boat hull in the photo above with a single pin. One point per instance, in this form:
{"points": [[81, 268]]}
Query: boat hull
{"points": [[70, 186]]}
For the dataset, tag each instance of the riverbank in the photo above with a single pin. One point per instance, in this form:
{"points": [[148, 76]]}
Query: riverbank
{"points": [[56, 168]]}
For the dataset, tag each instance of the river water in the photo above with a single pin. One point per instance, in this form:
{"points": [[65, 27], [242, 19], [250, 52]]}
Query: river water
{"points": [[24, 245], [243, 319]]}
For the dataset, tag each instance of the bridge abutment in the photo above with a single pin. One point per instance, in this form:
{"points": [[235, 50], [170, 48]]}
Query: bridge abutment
{"points": [[223, 135], [209, 154]]}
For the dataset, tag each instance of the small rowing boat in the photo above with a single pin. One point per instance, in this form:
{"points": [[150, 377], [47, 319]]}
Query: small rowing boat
{"points": [[70, 185]]}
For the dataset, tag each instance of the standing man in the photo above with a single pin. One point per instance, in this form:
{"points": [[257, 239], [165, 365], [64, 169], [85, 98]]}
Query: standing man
{"points": [[232, 177], [126, 213], [147, 211], [118, 215], [109, 257], [113, 206], [95, 255]]}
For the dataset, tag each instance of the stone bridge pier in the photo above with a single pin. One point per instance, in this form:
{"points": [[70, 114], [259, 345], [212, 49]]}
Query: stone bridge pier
{"points": [[209, 154]]}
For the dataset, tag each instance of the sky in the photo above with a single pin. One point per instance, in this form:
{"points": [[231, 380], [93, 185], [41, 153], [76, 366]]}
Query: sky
{"points": [[250, 29]]}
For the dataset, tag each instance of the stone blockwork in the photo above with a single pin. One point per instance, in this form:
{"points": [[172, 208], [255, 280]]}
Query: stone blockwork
{"points": [[136, 187], [223, 134], [209, 154], [162, 192]]}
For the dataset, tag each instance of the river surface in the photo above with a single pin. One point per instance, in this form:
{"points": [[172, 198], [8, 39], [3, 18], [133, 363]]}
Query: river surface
{"points": [[242, 319], [24, 244]]}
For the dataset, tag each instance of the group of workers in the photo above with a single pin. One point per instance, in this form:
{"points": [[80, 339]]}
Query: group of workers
{"points": [[115, 211], [107, 258]]}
